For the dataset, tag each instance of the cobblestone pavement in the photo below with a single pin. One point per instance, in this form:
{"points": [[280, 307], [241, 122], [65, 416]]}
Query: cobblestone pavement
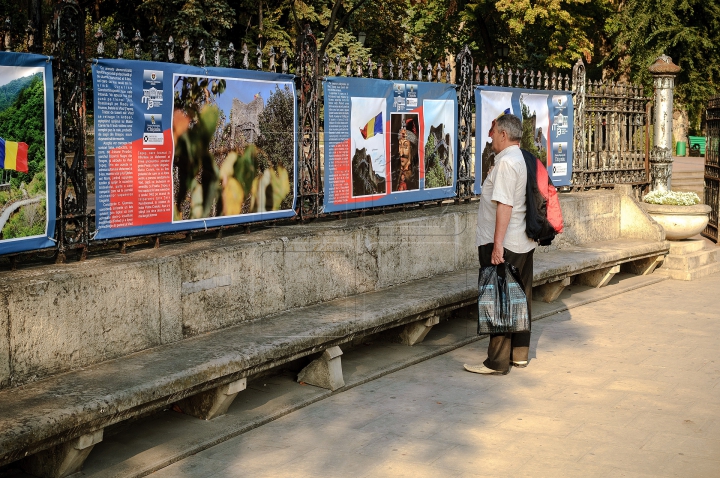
{"points": [[627, 386]]}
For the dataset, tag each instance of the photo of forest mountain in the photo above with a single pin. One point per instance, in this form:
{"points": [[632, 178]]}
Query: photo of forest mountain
{"points": [[22, 120]]}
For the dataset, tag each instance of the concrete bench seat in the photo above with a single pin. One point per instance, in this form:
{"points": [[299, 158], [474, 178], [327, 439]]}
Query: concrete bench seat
{"points": [[206, 320], [75, 407]]}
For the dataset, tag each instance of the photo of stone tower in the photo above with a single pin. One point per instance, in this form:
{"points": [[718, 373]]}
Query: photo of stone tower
{"points": [[245, 119]]}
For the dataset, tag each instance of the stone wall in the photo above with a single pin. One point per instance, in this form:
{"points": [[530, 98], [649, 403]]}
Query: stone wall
{"points": [[61, 317]]}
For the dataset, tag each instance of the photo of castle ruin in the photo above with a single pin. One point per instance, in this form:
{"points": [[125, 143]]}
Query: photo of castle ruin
{"points": [[234, 146]]}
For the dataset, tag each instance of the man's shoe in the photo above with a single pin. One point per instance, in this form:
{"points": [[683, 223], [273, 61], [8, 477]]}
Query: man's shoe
{"points": [[519, 363], [482, 369]]}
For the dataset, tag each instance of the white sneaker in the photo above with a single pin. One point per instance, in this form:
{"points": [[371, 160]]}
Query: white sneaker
{"points": [[482, 369], [519, 363]]}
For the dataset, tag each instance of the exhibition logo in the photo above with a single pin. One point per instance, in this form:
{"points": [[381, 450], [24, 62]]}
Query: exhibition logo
{"points": [[152, 88]]}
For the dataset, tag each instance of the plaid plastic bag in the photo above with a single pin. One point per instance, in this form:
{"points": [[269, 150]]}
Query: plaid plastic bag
{"points": [[502, 304]]}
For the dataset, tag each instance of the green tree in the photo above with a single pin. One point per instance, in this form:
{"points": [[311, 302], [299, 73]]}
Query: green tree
{"points": [[24, 121], [434, 175], [190, 19], [277, 128], [29, 220], [686, 30]]}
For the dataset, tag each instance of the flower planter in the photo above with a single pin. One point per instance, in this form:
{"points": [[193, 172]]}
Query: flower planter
{"points": [[679, 222]]}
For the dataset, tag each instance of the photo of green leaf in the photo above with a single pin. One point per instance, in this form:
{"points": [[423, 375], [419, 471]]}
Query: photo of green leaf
{"points": [[234, 147]]}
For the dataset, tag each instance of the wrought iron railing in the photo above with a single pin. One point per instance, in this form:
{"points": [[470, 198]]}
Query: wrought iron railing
{"points": [[611, 132], [712, 168], [610, 144]]}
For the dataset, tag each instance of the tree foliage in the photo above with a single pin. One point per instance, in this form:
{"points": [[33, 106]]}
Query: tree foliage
{"points": [[616, 39], [25, 121], [276, 128], [686, 30], [28, 221]]}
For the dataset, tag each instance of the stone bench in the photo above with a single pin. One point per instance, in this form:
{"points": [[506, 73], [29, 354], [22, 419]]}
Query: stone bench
{"points": [[53, 423], [59, 419]]}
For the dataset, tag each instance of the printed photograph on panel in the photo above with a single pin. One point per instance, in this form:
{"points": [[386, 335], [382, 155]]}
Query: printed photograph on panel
{"points": [[23, 192], [367, 146], [439, 118], [404, 153], [494, 103], [234, 146], [536, 125]]}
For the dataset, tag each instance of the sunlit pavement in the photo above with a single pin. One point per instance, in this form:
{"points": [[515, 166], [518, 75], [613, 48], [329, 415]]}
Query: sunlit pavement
{"points": [[627, 386]]}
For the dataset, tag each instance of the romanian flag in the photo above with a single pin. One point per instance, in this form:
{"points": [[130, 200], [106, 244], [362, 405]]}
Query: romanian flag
{"points": [[373, 127], [13, 156]]}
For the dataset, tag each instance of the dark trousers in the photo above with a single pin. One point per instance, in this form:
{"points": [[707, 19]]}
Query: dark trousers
{"points": [[510, 346]]}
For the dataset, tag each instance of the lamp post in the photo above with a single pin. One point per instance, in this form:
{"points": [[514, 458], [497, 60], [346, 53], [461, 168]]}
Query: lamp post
{"points": [[361, 38], [502, 51]]}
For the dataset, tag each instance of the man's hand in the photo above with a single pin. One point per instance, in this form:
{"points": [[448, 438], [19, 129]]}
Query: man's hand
{"points": [[497, 255]]}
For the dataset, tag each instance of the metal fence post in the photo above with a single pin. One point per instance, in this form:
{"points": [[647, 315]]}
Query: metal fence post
{"points": [[68, 46], [579, 145], [309, 181], [466, 98]]}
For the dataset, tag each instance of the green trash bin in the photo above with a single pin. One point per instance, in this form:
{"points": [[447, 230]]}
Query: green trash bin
{"points": [[680, 148]]}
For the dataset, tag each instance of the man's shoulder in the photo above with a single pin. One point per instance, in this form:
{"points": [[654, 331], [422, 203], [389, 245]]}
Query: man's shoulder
{"points": [[513, 157], [514, 152]]}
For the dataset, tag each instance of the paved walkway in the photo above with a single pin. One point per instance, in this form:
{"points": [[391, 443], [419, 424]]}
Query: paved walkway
{"points": [[5, 215], [688, 164], [628, 386]]}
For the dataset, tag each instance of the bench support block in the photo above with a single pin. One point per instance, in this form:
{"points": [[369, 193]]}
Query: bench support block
{"points": [[597, 278], [415, 332], [325, 371], [214, 402], [64, 459], [550, 291], [643, 267]]}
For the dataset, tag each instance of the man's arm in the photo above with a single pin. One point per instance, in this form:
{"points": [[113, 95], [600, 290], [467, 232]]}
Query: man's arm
{"points": [[502, 219]]}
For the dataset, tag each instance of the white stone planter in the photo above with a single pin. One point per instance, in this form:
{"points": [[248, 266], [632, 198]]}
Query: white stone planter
{"points": [[679, 222]]}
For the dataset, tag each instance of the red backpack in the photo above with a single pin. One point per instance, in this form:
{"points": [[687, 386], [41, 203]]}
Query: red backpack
{"points": [[543, 217]]}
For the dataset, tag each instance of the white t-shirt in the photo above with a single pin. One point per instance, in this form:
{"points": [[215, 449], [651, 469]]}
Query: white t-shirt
{"points": [[505, 184]]}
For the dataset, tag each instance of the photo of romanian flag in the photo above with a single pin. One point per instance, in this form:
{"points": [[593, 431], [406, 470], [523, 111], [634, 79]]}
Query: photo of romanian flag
{"points": [[373, 127], [13, 156]]}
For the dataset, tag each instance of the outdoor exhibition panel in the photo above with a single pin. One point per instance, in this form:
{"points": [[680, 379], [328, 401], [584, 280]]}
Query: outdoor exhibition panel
{"points": [[547, 119], [27, 153], [180, 147], [388, 142]]}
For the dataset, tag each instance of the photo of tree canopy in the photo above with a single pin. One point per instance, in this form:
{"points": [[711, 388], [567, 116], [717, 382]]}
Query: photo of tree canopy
{"points": [[234, 147], [22, 120]]}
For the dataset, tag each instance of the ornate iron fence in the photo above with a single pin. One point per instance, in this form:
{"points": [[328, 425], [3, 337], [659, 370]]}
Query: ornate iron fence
{"points": [[712, 167], [611, 133], [610, 120], [69, 69]]}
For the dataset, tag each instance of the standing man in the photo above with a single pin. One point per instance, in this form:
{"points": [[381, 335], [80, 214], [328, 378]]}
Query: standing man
{"points": [[501, 236]]}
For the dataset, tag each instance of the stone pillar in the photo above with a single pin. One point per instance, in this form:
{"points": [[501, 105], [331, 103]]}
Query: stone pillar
{"points": [[663, 71]]}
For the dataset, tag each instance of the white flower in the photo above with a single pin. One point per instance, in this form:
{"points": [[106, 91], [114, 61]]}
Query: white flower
{"points": [[672, 198]]}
